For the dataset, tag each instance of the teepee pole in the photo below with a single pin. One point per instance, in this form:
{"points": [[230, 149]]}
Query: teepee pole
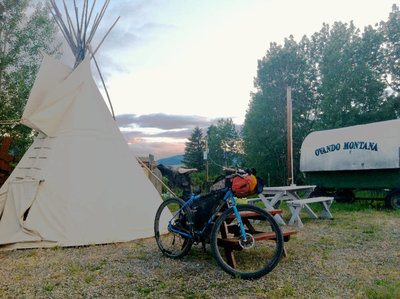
{"points": [[90, 14], [70, 24], [62, 30], [102, 81], [97, 21], [82, 17], [58, 17], [105, 36], [76, 32]]}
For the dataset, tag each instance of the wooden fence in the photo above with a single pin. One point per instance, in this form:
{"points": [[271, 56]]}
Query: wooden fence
{"points": [[5, 159]]}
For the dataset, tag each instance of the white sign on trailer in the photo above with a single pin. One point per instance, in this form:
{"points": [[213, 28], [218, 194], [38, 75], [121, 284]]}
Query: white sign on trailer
{"points": [[362, 147]]}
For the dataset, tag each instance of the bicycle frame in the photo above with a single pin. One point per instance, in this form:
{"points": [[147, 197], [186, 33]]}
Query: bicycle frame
{"points": [[228, 198]]}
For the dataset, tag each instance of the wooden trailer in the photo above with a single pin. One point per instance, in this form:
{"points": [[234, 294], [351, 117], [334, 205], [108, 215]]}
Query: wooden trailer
{"points": [[363, 157]]}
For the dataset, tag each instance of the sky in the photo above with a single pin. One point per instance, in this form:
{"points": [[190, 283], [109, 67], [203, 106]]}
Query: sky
{"points": [[170, 66]]}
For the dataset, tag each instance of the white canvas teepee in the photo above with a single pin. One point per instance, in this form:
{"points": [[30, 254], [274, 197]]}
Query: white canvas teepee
{"points": [[78, 183]]}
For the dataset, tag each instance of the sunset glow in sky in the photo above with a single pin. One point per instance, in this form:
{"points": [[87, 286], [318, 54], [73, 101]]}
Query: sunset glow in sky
{"points": [[173, 65]]}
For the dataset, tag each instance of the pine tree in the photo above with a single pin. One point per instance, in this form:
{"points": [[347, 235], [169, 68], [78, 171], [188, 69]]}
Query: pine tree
{"points": [[223, 145], [193, 157]]}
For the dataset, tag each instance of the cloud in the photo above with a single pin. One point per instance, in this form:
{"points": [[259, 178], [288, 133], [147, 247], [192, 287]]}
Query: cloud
{"points": [[131, 135], [158, 149], [134, 10], [162, 135], [136, 28], [185, 133], [159, 125], [120, 40], [163, 121]]}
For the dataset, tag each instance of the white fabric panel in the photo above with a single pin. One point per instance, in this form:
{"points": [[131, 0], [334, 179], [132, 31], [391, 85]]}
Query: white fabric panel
{"points": [[51, 74], [20, 197]]}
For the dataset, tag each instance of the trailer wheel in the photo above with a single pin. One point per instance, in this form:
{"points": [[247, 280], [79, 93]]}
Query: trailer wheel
{"points": [[392, 200], [344, 195], [318, 191]]}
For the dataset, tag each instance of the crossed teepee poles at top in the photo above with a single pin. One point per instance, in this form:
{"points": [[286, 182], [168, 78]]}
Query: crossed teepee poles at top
{"points": [[79, 30]]}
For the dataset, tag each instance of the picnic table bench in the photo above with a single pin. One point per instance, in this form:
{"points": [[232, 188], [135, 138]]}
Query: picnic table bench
{"points": [[296, 206], [296, 202], [231, 244]]}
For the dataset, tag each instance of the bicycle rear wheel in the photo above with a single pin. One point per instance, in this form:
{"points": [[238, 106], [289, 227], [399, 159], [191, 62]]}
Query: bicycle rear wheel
{"points": [[166, 228], [256, 256]]}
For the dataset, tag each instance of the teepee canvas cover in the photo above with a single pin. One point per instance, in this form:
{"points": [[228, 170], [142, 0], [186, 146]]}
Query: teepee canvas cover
{"points": [[78, 183]]}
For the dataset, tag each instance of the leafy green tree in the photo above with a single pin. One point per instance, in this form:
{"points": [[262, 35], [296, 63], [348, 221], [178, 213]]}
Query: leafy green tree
{"points": [[194, 149], [389, 57], [351, 88], [264, 130], [224, 146], [25, 29], [391, 49]]}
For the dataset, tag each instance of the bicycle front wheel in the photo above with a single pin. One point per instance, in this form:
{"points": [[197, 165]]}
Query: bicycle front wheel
{"points": [[254, 256], [171, 227]]}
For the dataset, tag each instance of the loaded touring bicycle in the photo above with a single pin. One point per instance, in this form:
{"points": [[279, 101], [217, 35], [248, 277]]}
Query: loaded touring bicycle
{"points": [[245, 240]]}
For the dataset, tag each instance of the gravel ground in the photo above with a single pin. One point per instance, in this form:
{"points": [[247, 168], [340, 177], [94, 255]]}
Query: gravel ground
{"points": [[355, 255]]}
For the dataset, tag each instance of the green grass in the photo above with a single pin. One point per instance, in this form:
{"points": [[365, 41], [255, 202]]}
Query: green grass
{"points": [[75, 268], [97, 267], [145, 291], [384, 288], [48, 288], [89, 278], [355, 255]]}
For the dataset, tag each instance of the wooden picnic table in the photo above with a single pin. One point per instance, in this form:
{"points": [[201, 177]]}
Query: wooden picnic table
{"points": [[232, 244], [291, 195]]}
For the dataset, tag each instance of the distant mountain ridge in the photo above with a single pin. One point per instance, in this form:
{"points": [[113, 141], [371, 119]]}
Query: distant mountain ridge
{"points": [[171, 161]]}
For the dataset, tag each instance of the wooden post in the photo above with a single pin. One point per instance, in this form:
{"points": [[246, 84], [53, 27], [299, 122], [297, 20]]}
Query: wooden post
{"points": [[151, 162], [206, 158], [290, 179]]}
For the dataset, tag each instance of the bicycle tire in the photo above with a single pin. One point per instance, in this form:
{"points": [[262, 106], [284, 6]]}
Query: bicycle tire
{"points": [[249, 263], [173, 244]]}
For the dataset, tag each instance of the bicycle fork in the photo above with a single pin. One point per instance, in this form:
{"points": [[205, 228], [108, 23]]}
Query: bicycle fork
{"points": [[239, 219]]}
